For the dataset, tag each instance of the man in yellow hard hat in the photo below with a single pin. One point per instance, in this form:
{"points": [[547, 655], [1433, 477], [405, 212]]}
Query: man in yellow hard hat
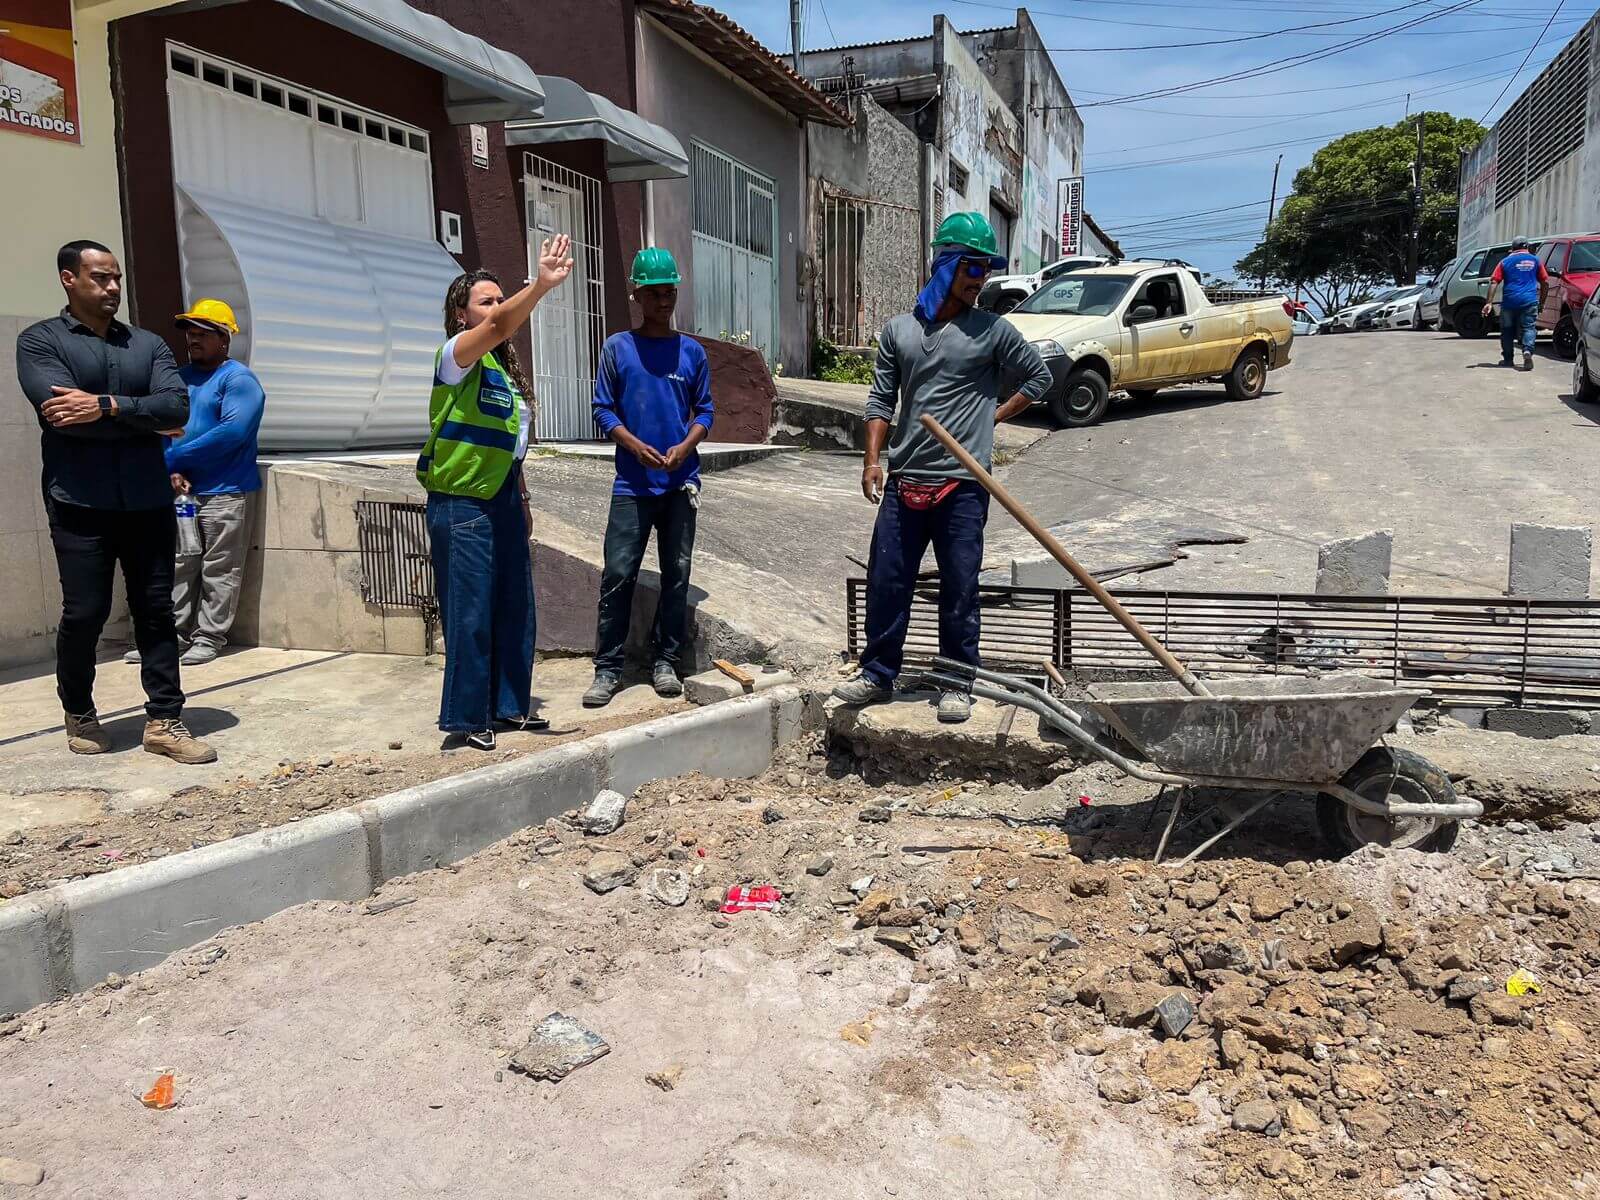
{"points": [[213, 463]]}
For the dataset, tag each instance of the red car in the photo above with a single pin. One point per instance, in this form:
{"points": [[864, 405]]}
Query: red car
{"points": [[1574, 266]]}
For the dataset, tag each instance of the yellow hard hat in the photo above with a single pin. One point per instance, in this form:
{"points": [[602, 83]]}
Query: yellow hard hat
{"points": [[213, 314]]}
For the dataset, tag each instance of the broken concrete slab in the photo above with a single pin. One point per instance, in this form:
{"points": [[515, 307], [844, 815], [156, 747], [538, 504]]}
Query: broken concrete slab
{"points": [[1550, 561], [1109, 547], [604, 814], [904, 738], [711, 686], [1356, 566], [557, 1047], [1537, 722], [669, 886]]}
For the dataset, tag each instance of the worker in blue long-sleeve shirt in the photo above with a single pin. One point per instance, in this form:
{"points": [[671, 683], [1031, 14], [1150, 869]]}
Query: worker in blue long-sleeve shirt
{"points": [[215, 462], [652, 397]]}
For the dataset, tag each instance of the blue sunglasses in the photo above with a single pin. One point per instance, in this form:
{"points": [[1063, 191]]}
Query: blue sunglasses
{"points": [[976, 268]]}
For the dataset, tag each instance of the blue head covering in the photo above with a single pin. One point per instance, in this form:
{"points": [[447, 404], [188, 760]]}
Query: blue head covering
{"points": [[945, 265]]}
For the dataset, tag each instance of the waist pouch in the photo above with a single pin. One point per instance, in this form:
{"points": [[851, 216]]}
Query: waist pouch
{"points": [[922, 496]]}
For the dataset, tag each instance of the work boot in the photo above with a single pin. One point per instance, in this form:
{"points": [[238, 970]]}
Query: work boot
{"points": [[172, 738], [1527, 360], [600, 692], [666, 681], [954, 707], [84, 735], [198, 653], [863, 689]]}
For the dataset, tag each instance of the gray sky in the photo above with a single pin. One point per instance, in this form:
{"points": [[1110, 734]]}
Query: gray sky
{"points": [[1214, 147]]}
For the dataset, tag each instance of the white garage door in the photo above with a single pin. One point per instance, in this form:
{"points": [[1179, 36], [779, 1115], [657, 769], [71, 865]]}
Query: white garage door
{"points": [[314, 219]]}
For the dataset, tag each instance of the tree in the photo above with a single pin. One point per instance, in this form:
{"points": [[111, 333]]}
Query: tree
{"points": [[1347, 224]]}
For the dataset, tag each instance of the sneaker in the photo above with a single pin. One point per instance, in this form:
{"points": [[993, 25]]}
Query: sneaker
{"points": [[601, 691], [527, 724], [197, 654], [954, 707], [1505, 362], [84, 734], [173, 739], [132, 658], [482, 740], [1527, 360], [863, 689], [665, 680]]}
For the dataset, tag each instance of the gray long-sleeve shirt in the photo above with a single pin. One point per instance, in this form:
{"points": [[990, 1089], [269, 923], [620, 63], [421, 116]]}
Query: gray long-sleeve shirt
{"points": [[956, 371]]}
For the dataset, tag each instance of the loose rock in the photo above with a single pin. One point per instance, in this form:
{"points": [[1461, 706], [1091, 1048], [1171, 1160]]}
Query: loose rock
{"points": [[608, 871]]}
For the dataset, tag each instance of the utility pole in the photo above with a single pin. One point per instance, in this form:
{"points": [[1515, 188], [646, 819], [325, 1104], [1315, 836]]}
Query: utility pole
{"points": [[794, 33], [1415, 243], [1272, 207]]}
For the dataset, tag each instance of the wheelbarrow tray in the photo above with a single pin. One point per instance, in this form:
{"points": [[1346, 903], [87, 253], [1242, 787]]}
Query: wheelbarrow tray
{"points": [[1287, 728]]}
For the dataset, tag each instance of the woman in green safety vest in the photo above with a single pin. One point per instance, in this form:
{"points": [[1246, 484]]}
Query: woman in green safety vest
{"points": [[478, 515]]}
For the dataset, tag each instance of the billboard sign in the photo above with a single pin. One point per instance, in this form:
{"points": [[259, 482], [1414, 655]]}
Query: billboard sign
{"points": [[1069, 210], [38, 71]]}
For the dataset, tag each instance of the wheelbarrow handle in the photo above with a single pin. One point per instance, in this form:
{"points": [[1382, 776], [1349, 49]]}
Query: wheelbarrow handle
{"points": [[1058, 552]]}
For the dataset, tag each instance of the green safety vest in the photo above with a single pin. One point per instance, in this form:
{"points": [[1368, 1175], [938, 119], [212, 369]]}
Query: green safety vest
{"points": [[472, 438]]}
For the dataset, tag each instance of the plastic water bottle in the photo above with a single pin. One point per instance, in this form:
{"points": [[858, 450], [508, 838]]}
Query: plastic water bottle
{"points": [[188, 525]]}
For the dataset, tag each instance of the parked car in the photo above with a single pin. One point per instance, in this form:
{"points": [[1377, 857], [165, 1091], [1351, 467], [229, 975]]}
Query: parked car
{"points": [[1574, 267], [1377, 316], [1304, 324], [1002, 293], [1402, 313], [1461, 305], [1345, 319], [1586, 352], [1139, 327], [1433, 291]]}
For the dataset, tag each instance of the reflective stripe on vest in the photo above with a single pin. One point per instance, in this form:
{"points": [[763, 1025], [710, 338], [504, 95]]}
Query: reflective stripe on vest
{"points": [[474, 428]]}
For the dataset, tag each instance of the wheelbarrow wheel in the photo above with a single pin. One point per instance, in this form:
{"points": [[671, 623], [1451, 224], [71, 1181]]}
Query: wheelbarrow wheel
{"points": [[1384, 774]]}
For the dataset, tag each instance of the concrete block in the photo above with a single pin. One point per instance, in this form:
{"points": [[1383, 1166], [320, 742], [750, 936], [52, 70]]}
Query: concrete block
{"points": [[1469, 716], [1355, 566], [711, 686], [1042, 571], [24, 956], [359, 624], [338, 500], [22, 592], [796, 712], [1537, 722], [310, 597], [296, 521], [732, 740], [128, 920], [21, 506], [405, 632], [14, 406], [1550, 561], [442, 822]]}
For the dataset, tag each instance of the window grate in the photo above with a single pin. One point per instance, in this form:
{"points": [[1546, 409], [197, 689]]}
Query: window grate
{"points": [[1546, 123], [396, 561]]}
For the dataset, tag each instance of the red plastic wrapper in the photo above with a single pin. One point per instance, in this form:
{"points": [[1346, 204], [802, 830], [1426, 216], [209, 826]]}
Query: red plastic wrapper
{"points": [[763, 898]]}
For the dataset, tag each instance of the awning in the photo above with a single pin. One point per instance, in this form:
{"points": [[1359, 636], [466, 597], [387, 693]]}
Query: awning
{"points": [[635, 148], [482, 82]]}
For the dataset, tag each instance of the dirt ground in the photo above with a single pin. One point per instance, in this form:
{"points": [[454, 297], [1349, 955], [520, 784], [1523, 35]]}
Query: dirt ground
{"points": [[956, 998]]}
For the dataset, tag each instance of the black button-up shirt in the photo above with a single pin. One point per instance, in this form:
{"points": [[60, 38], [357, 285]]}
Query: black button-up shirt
{"points": [[115, 462]]}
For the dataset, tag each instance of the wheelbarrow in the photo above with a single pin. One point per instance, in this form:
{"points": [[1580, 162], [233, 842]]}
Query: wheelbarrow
{"points": [[1273, 735]]}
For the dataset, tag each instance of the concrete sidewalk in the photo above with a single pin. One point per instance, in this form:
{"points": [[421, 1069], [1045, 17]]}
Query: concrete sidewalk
{"points": [[260, 708]]}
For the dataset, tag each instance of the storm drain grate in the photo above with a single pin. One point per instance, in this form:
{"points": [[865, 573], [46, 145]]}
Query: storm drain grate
{"points": [[1481, 651], [396, 566]]}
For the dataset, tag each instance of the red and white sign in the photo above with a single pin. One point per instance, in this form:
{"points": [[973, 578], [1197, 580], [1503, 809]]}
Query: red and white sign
{"points": [[1069, 209], [38, 69]]}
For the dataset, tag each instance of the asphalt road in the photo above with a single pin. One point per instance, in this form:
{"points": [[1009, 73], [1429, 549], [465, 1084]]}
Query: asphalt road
{"points": [[1416, 432]]}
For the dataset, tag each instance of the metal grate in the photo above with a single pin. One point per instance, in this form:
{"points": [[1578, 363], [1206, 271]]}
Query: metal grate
{"points": [[396, 563], [735, 237], [1465, 650], [1544, 124], [569, 326], [869, 259]]}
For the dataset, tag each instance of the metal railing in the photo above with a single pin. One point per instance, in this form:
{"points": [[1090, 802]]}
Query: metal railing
{"points": [[1481, 651], [868, 256], [396, 566]]}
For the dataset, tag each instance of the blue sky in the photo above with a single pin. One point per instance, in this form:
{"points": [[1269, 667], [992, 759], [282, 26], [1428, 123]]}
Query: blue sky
{"points": [[1230, 133]]}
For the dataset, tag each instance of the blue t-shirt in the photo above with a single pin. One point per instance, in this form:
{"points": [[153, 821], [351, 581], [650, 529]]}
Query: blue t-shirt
{"points": [[655, 388], [1521, 273], [217, 452]]}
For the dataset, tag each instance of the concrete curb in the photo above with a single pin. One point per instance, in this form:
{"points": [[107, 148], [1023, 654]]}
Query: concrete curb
{"points": [[68, 938]]}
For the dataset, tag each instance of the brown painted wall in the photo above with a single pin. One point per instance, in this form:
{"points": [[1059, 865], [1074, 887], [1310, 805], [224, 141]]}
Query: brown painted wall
{"points": [[590, 41]]}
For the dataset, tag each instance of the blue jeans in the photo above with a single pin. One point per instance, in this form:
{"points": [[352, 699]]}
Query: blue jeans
{"points": [[899, 540], [672, 516], [484, 575], [1517, 325]]}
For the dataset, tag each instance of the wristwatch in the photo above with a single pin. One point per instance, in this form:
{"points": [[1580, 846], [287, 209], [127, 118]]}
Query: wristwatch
{"points": [[106, 409]]}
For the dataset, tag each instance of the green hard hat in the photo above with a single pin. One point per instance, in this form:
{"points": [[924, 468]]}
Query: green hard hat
{"points": [[653, 265], [967, 229]]}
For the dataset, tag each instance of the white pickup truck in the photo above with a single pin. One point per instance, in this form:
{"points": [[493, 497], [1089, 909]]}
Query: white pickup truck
{"points": [[1138, 327], [1002, 293]]}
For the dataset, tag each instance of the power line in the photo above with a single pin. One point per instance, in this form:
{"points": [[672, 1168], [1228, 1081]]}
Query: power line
{"points": [[1283, 64], [1525, 58], [1251, 37], [826, 20]]}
